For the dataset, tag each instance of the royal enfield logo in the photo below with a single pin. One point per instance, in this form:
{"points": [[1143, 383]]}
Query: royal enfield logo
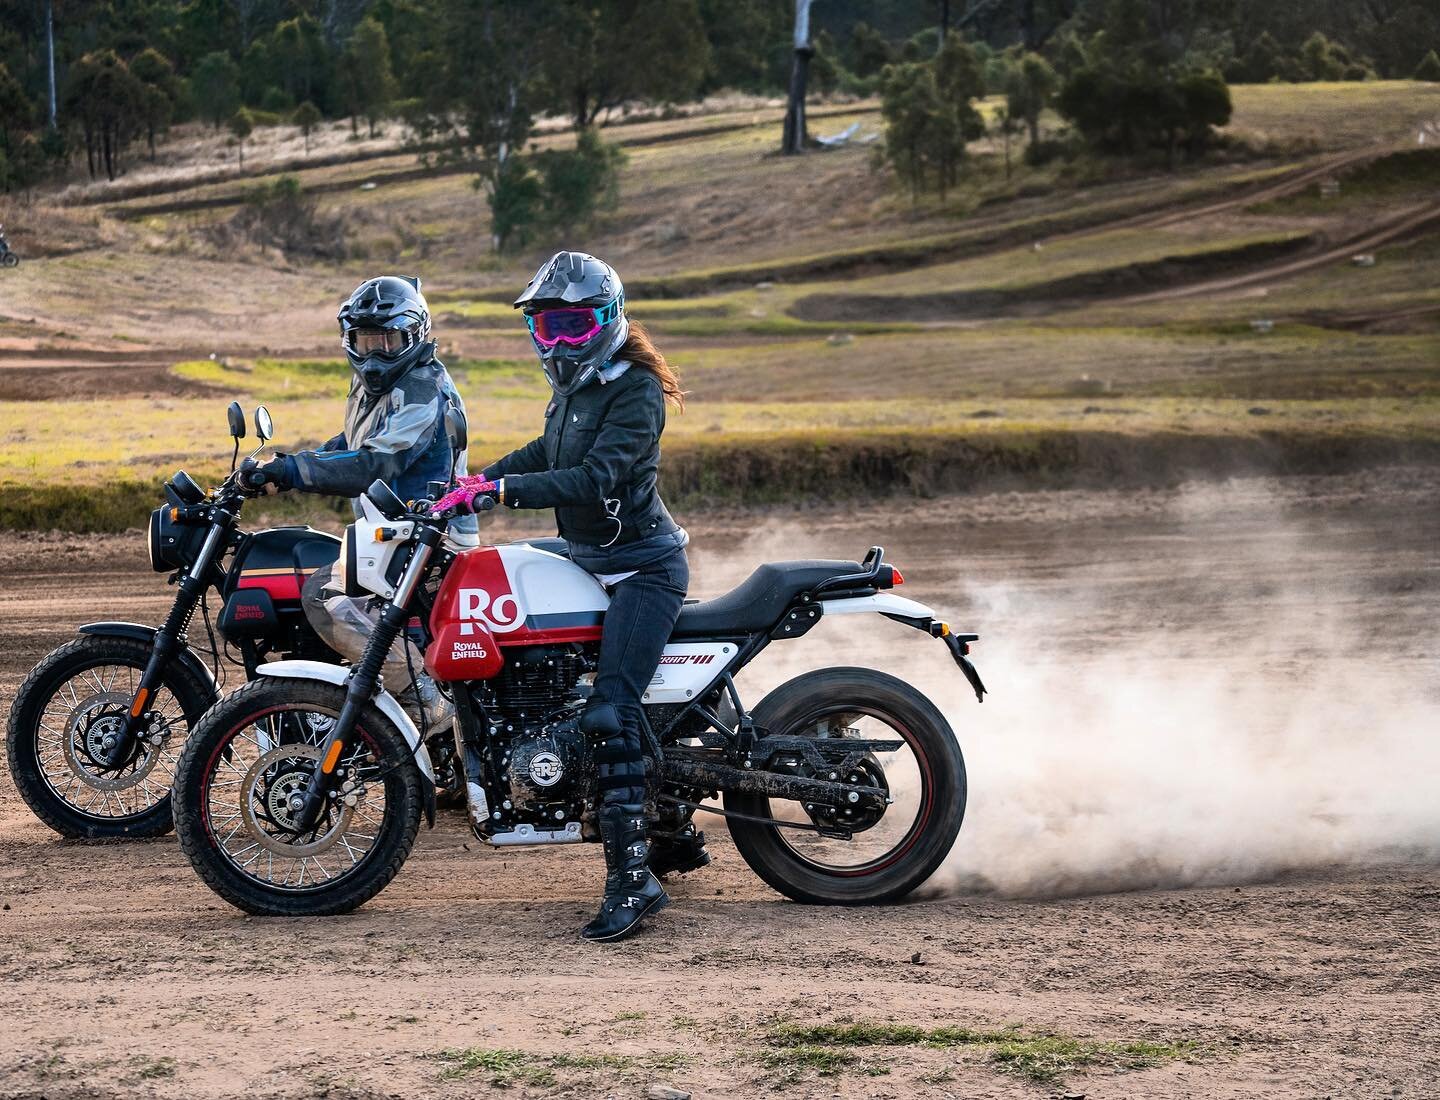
{"points": [[468, 651], [546, 769], [501, 616]]}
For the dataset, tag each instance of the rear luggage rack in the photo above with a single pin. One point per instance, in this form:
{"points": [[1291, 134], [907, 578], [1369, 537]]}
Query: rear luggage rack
{"points": [[854, 583]]}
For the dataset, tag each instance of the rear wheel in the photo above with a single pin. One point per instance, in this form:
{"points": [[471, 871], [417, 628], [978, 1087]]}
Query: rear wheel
{"points": [[888, 853], [62, 728], [10, 260], [242, 775]]}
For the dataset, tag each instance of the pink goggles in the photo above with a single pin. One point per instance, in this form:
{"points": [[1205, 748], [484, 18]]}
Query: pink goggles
{"points": [[572, 326]]}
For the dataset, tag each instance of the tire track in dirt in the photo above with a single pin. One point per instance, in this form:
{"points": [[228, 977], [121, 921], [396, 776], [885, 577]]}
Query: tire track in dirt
{"points": [[1413, 221]]}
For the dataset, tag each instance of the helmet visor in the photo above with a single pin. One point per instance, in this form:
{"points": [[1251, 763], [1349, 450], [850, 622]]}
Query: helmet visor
{"points": [[384, 342], [563, 326]]}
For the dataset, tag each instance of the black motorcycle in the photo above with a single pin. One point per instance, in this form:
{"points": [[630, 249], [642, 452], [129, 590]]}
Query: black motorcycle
{"points": [[8, 258], [96, 729]]}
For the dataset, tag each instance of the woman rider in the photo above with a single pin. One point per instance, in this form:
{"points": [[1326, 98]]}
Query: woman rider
{"points": [[596, 465]]}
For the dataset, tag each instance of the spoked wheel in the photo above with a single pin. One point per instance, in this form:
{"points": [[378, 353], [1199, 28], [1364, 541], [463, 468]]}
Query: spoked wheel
{"points": [[66, 754], [242, 781], [856, 855]]}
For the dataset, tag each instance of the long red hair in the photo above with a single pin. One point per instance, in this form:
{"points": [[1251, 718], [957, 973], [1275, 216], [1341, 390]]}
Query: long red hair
{"points": [[641, 351]]}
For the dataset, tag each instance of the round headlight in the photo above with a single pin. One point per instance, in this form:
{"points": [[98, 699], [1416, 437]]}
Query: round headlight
{"points": [[162, 540]]}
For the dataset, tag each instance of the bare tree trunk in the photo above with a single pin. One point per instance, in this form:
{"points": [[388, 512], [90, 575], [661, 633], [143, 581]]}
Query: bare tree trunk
{"points": [[795, 137], [944, 20], [50, 52]]}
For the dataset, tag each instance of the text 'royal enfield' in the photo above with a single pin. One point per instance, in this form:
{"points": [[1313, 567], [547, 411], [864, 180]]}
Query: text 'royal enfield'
{"points": [[302, 792]]}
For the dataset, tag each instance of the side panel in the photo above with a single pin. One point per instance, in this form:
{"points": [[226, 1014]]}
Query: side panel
{"points": [[337, 674], [688, 669], [883, 603]]}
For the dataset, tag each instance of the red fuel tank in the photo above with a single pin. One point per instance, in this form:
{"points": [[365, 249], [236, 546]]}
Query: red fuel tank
{"points": [[495, 597], [462, 647]]}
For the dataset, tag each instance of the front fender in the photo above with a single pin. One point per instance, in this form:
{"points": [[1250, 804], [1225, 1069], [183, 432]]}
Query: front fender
{"points": [[141, 633], [337, 674]]}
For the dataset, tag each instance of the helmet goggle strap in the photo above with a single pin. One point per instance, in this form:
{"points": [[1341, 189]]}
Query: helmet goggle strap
{"points": [[384, 342], [571, 325]]}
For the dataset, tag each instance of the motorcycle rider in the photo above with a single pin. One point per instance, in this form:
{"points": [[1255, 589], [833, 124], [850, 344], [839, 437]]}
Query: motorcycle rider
{"points": [[394, 430], [596, 465]]}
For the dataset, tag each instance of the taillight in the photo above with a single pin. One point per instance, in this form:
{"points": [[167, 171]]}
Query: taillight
{"points": [[896, 577]]}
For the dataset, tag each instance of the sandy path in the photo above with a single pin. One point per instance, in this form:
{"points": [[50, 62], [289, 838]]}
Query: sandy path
{"points": [[1303, 971]]}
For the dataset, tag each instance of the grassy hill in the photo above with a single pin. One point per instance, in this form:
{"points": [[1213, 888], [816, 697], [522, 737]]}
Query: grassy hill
{"points": [[1081, 322]]}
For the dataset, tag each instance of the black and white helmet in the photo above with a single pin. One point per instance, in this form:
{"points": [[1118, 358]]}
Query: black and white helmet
{"points": [[575, 309], [385, 330]]}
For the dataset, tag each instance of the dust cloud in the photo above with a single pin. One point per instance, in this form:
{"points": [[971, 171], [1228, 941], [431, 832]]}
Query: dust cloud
{"points": [[1232, 685]]}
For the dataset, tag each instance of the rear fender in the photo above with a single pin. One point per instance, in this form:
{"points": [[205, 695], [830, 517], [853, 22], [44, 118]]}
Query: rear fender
{"points": [[919, 616], [187, 657], [337, 674]]}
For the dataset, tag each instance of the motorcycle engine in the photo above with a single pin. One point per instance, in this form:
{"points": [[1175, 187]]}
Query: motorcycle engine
{"points": [[546, 766], [534, 769]]}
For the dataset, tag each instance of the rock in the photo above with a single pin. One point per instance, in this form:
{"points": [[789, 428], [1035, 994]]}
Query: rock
{"points": [[1258, 410], [666, 1092], [917, 960]]}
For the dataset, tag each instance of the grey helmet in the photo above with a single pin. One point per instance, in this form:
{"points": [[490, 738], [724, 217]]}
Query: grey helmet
{"points": [[385, 330], [573, 349]]}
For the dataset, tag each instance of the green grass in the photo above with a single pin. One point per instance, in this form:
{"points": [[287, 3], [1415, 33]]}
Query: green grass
{"points": [[1042, 1058], [503, 1068]]}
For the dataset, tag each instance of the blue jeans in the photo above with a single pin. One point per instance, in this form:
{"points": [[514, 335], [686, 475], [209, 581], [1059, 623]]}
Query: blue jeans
{"points": [[642, 612]]}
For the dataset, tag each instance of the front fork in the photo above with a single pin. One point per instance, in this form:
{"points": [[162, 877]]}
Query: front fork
{"points": [[364, 682], [169, 640]]}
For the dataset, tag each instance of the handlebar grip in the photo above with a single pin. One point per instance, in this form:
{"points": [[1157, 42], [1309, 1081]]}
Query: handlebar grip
{"points": [[482, 503]]}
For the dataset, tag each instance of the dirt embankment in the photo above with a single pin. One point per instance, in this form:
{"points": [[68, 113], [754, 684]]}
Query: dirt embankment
{"points": [[1147, 652]]}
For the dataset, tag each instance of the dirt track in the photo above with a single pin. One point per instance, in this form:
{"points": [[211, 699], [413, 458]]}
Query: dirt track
{"points": [[1302, 970]]}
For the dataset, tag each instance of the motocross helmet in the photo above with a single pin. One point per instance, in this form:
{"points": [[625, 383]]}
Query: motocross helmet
{"points": [[385, 330], [575, 310]]}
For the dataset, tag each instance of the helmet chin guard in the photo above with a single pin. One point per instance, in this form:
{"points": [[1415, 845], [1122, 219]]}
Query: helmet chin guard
{"points": [[570, 282]]}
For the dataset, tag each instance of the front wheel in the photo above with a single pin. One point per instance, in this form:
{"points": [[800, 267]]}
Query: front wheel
{"points": [[857, 857], [63, 725], [10, 260], [247, 766]]}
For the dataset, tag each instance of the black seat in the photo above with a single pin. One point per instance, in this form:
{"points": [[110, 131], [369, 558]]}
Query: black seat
{"points": [[760, 599]]}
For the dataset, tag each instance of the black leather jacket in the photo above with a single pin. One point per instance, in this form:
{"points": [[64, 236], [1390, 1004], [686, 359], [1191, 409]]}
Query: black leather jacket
{"points": [[596, 464]]}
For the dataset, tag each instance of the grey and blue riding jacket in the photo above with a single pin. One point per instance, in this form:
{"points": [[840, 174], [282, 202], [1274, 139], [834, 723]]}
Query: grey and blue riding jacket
{"points": [[398, 436]]}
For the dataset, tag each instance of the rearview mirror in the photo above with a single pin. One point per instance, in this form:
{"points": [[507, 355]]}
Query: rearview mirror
{"points": [[456, 430], [264, 426], [236, 415]]}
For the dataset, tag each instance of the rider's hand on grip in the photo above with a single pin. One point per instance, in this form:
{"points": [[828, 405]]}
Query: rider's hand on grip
{"points": [[474, 493]]}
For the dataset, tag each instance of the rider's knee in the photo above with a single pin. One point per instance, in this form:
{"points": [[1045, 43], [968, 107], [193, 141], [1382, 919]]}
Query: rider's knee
{"points": [[601, 720]]}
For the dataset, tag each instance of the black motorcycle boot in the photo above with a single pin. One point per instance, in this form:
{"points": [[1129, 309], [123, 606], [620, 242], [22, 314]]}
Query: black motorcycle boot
{"points": [[631, 892], [680, 854]]}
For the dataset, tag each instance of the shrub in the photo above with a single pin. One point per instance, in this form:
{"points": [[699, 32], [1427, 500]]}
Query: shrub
{"points": [[580, 183], [1429, 67]]}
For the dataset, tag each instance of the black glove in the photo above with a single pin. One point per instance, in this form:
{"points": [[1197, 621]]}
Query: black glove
{"points": [[275, 476]]}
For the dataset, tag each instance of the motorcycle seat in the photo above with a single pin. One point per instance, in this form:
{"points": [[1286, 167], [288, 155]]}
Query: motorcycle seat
{"points": [[759, 601]]}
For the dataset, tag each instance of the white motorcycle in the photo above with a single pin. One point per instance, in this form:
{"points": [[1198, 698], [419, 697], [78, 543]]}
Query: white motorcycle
{"points": [[301, 792]]}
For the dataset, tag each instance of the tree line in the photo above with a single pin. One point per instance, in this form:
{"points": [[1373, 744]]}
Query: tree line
{"points": [[95, 80]]}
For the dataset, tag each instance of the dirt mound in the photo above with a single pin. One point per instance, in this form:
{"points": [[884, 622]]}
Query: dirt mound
{"points": [[45, 378]]}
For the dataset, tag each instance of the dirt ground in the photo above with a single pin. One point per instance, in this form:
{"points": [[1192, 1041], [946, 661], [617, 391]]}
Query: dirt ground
{"points": [[1107, 884]]}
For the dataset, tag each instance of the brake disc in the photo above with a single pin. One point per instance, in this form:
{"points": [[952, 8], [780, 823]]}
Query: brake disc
{"points": [[276, 782], [90, 734]]}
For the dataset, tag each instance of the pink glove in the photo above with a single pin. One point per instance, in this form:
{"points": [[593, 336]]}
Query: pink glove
{"points": [[463, 496]]}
